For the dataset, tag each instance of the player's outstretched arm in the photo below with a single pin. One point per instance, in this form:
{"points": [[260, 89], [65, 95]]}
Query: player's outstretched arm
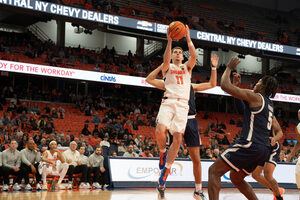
{"points": [[167, 54], [296, 147], [193, 56], [252, 98], [151, 79], [213, 76]]}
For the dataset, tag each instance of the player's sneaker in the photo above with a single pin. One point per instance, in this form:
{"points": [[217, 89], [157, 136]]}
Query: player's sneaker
{"points": [[163, 176], [161, 192], [281, 191], [38, 186], [199, 195], [162, 160]]}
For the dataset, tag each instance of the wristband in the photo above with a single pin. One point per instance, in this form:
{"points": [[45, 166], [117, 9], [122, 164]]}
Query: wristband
{"points": [[213, 68]]}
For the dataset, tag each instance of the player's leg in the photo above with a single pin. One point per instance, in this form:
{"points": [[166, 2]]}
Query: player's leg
{"points": [[237, 179], [256, 174], [297, 173], [172, 154], [197, 170], [164, 117], [216, 170], [268, 174]]}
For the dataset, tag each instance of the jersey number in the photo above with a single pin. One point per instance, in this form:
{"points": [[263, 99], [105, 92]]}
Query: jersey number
{"points": [[270, 118], [179, 80]]}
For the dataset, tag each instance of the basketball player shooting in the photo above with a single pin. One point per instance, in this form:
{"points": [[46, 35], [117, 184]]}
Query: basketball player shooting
{"points": [[191, 134], [174, 108], [252, 149]]}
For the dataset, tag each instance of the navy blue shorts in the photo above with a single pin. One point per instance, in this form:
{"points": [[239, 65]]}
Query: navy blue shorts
{"points": [[274, 154], [245, 156], [191, 134]]}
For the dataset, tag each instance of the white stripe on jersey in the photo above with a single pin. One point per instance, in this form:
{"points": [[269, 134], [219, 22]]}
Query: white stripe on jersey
{"points": [[252, 118], [178, 82]]}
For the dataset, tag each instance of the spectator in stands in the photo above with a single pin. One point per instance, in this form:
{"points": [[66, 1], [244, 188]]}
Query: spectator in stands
{"points": [[43, 144], [47, 109], [22, 144], [96, 166], [30, 158], [121, 148], [5, 119], [130, 152], [11, 162], [75, 166], [96, 131], [35, 109], [85, 130], [139, 139], [67, 140], [61, 112], [105, 142], [232, 121], [48, 128], [208, 154], [152, 122], [96, 118], [83, 158], [146, 152], [53, 163], [216, 153]]}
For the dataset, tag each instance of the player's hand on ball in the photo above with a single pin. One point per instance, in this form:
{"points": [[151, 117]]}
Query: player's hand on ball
{"points": [[169, 36], [233, 63]]}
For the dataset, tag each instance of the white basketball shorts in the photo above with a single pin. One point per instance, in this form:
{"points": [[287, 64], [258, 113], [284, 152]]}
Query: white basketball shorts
{"points": [[173, 114]]}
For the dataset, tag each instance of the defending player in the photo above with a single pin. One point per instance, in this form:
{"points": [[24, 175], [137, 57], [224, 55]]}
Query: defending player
{"points": [[269, 166], [242, 157]]}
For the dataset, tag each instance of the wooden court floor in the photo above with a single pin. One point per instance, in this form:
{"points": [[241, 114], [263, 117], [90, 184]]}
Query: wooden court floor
{"points": [[137, 194]]}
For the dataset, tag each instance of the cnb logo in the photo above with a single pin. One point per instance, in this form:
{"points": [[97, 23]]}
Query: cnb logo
{"points": [[108, 78]]}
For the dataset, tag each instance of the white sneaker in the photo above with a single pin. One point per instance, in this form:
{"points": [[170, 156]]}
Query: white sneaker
{"points": [[96, 185], [70, 185], [5, 187], [105, 186], [87, 186], [16, 187], [44, 187], [28, 187], [82, 186], [38, 186]]}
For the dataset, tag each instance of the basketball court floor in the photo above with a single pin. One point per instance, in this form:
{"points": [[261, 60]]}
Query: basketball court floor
{"points": [[137, 194]]}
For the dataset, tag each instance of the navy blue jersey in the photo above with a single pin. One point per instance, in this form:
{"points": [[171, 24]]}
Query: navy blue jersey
{"points": [[192, 110], [258, 123]]}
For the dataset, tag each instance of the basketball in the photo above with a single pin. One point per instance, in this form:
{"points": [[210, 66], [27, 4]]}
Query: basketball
{"points": [[177, 30]]}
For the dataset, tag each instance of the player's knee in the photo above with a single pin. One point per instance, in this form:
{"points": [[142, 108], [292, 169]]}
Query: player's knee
{"points": [[212, 170]]}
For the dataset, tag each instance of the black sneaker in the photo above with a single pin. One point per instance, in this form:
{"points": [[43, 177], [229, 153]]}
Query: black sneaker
{"points": [[199, 195], [161, 192]]}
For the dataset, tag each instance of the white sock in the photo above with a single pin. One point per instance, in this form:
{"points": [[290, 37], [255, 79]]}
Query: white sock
{"points": [[198, 187], [163, 151]]}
